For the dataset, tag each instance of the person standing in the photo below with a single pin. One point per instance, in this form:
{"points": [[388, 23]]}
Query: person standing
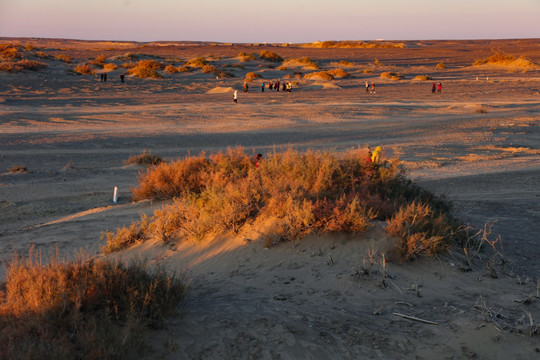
{"points": [[105, 77], [433, 88], [277, 85], [262, 87], [367, 87], [372, 87], [439, 88], [122, 77], [246, 87], [235, 97]]}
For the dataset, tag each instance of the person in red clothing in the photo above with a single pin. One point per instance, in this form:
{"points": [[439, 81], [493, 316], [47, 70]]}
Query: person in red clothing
{"points": [[439, 88], [433, 88]]}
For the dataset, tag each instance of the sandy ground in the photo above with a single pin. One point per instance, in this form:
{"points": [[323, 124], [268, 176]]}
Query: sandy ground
{"points": [[311, 299]]}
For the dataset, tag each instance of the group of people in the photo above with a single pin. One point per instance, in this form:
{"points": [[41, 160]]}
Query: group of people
{"points": [[287, 87], [104, 77], [372, 87], [436, 88]]}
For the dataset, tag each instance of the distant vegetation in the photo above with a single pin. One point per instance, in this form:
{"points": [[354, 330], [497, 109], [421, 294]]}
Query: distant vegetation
{"points": [[354, 44], [299, 193], [84, 69], [147, 69], [270, 56], [423, 77], [305, 63], [440, 66], [84, 309], [392, 75], [12, 59], [501, 58]]}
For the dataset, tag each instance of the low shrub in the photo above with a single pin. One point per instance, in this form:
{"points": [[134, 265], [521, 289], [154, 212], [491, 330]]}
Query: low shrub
{"points": [[355, 44], [206, 69], [29, 47], [440, 66], [244, 57], [391, 76], [84, 69], [82, 309], [32, 65], [41, 54], [63, 57], [339, 73], [270, 56], [110, 67], [146, 158], [10, 52], [423, 77], [147, 69], [99, 60], [252, 76], [197, 62], [170, 69]]}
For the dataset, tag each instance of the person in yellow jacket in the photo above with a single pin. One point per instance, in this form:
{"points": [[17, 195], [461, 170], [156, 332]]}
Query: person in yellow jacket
{"points": [[376, 156]]}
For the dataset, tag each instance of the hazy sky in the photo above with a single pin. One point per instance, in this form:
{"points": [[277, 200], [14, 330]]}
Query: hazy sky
{"points": [[270, 20]]}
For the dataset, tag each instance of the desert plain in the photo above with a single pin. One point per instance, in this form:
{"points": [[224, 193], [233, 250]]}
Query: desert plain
{"points": [[476, 144]]}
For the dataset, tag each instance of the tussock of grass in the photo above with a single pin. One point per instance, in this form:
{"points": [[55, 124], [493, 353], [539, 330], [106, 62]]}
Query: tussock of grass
{"points": [[84, 69], [252, 76], [423, 77], [10, 52], [110, 67], [320, 75], [270, 56], [302, 192], [146, 158], [440, 66], [197, 62], [83, 309], [147, 69], [245, 57], [99, 60], [391, 76], [345, 63], [339, 73]]}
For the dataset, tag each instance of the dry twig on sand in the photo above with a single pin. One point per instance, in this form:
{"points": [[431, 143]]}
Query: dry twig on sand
{"points": [[409, 317]]}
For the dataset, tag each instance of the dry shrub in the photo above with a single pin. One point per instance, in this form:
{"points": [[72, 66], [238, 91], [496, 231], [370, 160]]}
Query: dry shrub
{"points": [[209, 69], [305, 62], [270, 56], [147, 69], [244, 57], [99, 60], [84, 69], [10, 52], [301, 192], [339, 73], [420, 229], [129, 65], [184, 69], [423, 77], [345, 63], [440, 66], [252, 76], [110, 67], [63, 57], [82, 309], [320, 75], [146, 158], [29, 47], [42, 55], [7, 67], [480, 109], [32, 65], [197, 62], [391, 76]]}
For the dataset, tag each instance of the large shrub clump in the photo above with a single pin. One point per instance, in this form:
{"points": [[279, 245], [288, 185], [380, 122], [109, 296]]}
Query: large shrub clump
{"points": [[300, 193], [84, 309]]}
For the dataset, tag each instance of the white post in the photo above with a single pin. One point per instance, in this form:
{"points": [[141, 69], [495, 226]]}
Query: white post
{"points": [[115, 196]]}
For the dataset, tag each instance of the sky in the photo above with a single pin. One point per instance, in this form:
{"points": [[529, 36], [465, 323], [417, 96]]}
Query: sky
{"points": [[283, 21]]}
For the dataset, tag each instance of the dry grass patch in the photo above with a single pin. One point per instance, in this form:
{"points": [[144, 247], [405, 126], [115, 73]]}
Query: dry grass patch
{"points": [[197, 62], [110, 67], [440, 66], [245, 57], [22, 65], [82, 309], [305, 63], [354, 45]]}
